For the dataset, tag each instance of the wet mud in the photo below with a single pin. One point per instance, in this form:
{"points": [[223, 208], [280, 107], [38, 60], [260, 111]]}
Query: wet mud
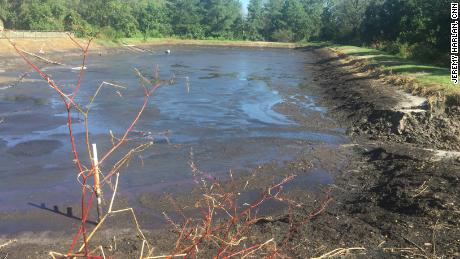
{"points": [[398, 196]]}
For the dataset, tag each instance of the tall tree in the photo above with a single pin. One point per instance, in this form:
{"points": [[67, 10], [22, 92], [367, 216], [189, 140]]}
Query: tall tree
{"points": [[343, 19], [273, 18], [417, 28], [41, 15], [4, 11], [313, 9], [295, 19], [220, 16], [186, 18], [255, 20], [153, 18]]}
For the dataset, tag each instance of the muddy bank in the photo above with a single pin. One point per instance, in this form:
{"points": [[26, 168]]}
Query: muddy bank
{"points": [[399, 196], [373, 105]]}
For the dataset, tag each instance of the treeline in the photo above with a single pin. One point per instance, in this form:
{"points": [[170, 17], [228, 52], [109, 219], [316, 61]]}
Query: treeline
{"points": [[128, 18], [416, 28], [412, 28]]}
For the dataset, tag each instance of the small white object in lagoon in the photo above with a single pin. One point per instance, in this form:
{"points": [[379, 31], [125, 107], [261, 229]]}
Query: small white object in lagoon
{"points": [[79, 68], [168, 51]]}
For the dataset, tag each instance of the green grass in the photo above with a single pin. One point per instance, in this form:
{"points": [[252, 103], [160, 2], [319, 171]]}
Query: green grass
{"points": [[427, 76], [106, 43], [423, 73], [210, 42]]}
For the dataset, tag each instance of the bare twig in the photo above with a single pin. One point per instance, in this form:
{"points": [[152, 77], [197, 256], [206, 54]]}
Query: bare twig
{"points": [[42, 58], [340, 252], [165, 256], [421, 189]]}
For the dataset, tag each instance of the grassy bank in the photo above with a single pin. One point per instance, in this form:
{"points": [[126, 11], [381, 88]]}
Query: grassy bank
{"points": [[175, 41], [421, 79]]}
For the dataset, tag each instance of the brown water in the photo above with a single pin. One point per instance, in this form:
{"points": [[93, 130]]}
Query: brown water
{"points": [[245, 107]]}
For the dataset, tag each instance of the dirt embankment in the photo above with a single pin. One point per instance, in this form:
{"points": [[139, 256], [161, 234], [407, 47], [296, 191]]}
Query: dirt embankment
{"points": [[45, 50], [376, 105], [43, 46], [399, 196]]}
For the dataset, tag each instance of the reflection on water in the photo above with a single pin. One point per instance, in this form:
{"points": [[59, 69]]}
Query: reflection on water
{"points": [[228, 117]]}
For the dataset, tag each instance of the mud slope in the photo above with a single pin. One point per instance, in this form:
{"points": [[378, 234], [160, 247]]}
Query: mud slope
{"points": [[381, 111], [399, 197]]}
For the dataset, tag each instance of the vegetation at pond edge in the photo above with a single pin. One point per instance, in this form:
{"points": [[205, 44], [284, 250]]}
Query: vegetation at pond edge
{"points": [[416, 77], [410, 28]]}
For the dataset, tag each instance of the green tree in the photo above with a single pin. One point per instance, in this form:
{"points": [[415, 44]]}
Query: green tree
{"points": [[115, 14], [416, 28], [153, 20], [273, 18], [186, 17], [342, 19], [73, 22], [382, 21], [255, 20], [220, 16], [4, 11], [313, 9], [41, 15], [295, 19], [238, 28]]}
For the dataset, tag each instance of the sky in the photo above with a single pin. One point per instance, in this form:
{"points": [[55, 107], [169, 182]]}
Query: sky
{"points": [[245, 4]]}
